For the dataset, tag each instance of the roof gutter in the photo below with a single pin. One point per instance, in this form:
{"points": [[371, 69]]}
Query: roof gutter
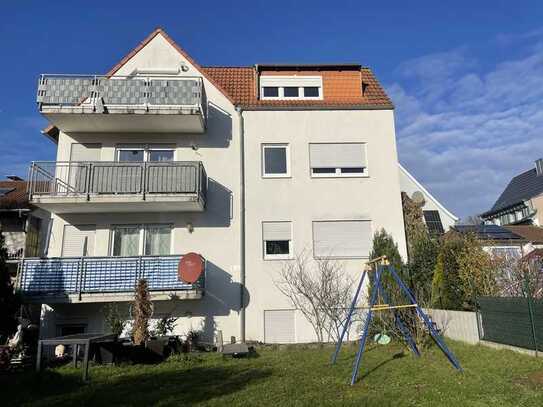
{"points": [[334, 107]]}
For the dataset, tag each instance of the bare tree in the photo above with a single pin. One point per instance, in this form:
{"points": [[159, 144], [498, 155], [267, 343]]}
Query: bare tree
{"points": [[519, 277], [320, 289]]}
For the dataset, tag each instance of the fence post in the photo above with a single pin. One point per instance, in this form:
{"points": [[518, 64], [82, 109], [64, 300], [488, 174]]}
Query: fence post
{"points": [[531, 311]]}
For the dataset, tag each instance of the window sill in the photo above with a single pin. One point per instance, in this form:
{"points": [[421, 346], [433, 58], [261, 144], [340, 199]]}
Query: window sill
{"points": [[268, 257], [340, 176], [276, 176]]}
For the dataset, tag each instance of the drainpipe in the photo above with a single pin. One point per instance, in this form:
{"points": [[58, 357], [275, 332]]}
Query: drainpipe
{"points": [[242, 224]]}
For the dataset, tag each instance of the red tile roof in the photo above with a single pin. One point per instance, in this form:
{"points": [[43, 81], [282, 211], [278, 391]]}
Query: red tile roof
{"points": [[15, 199], [530, 232], [340, 89]]}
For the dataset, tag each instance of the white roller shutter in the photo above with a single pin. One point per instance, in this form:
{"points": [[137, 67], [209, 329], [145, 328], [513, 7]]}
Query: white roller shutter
{"points": [[349, 239], [73, 241], [341, 155], [279, 326], [85, 152], [276, 230]]}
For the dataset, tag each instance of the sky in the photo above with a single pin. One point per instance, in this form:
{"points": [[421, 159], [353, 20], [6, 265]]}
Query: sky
{"points": [[466, 78]]}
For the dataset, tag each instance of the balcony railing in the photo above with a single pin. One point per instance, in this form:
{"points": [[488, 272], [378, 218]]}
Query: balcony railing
{"points": [[99, 275], [55, 178], [100, 92]]}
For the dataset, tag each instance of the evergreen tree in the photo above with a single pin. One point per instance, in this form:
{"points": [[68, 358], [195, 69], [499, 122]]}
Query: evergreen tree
{"points": [[447, 289]]}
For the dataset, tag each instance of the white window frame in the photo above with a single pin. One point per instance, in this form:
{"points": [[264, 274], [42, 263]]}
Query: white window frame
{"points": [[286, 146], [267, 256], [142, 228], [146, 148], [337, 170], [290, 81]]}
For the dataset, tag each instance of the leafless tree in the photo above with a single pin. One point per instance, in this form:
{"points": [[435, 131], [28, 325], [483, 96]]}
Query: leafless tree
{"points": [[519, 277], [320, 289]]}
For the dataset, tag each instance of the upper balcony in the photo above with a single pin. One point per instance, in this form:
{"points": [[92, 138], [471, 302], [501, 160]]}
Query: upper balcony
{"points": [[103, 186], [75, 103]]}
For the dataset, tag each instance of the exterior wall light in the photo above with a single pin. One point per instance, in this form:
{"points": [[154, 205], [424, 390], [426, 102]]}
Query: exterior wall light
{"points": [[190, 227]]}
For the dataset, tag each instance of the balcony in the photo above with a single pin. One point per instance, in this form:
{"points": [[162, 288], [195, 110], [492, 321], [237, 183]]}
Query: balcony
{"points": [[103, 279], [99, 187], [120, 104]]}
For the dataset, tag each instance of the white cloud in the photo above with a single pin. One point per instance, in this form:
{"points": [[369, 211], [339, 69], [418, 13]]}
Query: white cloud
{"points": [[465, 132]]}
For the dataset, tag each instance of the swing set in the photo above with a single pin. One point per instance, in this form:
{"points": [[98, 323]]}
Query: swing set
{"points": [[382, 267]]}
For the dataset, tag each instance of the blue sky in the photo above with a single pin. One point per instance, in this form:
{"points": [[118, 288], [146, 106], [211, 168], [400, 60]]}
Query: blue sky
{"points": [[466, 79]]}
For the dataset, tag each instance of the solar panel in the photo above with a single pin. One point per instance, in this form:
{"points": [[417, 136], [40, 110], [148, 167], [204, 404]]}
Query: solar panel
{"points": [[433, 222]]}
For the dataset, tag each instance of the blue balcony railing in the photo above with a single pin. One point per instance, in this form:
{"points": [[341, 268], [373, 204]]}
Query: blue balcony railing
{"points": [[93, 275]]}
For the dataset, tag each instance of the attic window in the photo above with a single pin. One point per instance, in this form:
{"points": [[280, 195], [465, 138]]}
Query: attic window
{"points": [[290, 87]]}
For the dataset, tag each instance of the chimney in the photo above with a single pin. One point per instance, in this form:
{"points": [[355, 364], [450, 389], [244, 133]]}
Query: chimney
{"points": [[539, 167]]}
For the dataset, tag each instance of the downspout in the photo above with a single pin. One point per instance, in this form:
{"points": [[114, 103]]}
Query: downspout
{"points": [[239, 110]]}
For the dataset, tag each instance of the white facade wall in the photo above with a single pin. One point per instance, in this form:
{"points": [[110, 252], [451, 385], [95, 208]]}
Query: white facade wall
{"points": [[303, 199], [216, 233]]}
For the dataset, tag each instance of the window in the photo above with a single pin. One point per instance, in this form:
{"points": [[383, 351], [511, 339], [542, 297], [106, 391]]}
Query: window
{"points": [[140, 153], [290, 87], [131, 155], [433, 222], [338, 159], [290, 92], [270, 91], [126, 241], [342, 239], [277, 237], [311, 91], [136, 240], [275, 160]]}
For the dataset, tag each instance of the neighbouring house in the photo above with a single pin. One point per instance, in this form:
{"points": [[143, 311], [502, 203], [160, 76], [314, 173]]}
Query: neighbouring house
{"points": [[522, 200], [23, 225], [246, 166], [438, 219], [533, 234], [496, 239]]}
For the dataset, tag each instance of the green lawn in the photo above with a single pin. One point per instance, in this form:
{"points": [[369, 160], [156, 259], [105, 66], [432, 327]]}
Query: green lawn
{"points": [[295, 376]]}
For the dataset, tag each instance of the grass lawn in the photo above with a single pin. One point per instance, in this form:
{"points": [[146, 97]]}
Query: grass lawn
{"points": [[295, 376]]}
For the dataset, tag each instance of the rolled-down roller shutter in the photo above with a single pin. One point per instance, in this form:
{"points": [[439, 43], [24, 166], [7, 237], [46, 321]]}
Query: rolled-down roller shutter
{"points": [[279, 326], [276, 230], [73, 242], [348, 239], [339, 155]]}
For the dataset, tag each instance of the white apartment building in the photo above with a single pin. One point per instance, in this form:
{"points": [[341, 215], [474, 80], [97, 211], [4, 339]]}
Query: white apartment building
{"points": [[246, 166]]}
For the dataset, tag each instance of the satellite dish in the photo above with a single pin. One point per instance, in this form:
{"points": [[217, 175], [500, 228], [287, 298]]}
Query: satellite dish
{"points": [[418, 197], [191, 266]]}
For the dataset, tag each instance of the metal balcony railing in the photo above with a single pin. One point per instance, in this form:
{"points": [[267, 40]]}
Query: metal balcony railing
{"points": [[100, 92], [57, 178], [88, 275]]}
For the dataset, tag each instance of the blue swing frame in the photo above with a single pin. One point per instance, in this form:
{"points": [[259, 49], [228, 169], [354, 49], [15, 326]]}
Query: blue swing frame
{"points": [[377, 288]]}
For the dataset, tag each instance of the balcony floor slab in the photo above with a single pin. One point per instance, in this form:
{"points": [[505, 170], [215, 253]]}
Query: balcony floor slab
{"points": [[119, 203], [175, 295]]}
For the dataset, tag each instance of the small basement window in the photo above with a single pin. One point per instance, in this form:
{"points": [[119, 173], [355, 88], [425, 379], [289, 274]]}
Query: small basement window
{"points": [[277, 237]]}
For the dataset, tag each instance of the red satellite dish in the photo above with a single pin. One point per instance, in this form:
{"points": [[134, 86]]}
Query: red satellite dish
{"points": [[191, 267]]}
